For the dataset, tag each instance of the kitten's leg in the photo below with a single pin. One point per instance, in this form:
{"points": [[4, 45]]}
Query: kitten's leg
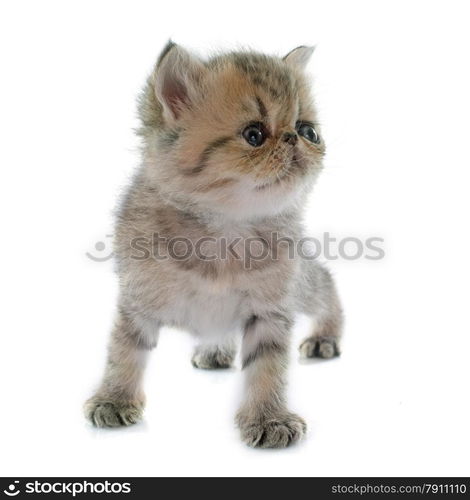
{"points": [[120, 398], [263, 419], [317, 297], [214, 356]]}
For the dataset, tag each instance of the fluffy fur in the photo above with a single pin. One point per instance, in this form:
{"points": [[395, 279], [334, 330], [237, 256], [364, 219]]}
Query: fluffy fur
{"points": [[199, 178]]}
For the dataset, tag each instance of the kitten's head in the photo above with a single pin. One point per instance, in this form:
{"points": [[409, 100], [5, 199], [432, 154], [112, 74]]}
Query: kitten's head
{"points": [[237, 134]]}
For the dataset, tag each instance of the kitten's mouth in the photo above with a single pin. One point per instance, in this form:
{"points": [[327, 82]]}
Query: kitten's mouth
{"points": [[283, 174]]}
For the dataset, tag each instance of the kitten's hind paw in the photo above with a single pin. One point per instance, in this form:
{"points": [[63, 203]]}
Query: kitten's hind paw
{"points": [[212, 359], [104, 413], [315, 347], [273, 432]]}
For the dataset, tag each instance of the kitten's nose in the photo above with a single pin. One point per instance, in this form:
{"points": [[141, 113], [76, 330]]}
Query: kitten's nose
{"points": [[290, 137]]}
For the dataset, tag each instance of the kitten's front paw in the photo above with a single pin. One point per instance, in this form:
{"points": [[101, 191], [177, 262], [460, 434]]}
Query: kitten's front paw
{"points": [[314, 347], [212, 359], [104, 413], [273, 432]]}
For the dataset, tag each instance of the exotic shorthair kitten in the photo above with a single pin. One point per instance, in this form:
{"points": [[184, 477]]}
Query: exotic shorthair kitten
{"points": [[231, 148]]}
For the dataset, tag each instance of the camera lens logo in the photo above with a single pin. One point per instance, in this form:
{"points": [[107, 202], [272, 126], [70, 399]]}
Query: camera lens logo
{"points": [[12, 490], [104, 252]]}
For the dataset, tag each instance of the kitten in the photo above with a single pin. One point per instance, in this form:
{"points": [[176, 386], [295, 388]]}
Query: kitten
{"points": [[231, 147]]}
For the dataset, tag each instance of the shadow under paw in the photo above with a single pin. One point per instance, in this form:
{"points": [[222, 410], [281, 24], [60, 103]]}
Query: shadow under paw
{"points": [[314, 347], [103, 413], [277, 432]]}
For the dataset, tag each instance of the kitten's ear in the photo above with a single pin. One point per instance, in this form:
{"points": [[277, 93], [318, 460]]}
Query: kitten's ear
{"points": [[299, 57], [177, 78]]}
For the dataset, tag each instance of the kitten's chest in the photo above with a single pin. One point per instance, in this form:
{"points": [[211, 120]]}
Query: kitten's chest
{"points": [[219, 294], [236, 258], [212, 283], [213, 296], [209, 311]]}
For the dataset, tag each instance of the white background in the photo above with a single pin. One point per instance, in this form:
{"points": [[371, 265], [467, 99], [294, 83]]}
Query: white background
{"points": [[392, 83]]}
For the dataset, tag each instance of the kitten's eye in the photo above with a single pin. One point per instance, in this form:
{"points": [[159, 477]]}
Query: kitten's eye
{"points": [[254, 134], [306, 130]]}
